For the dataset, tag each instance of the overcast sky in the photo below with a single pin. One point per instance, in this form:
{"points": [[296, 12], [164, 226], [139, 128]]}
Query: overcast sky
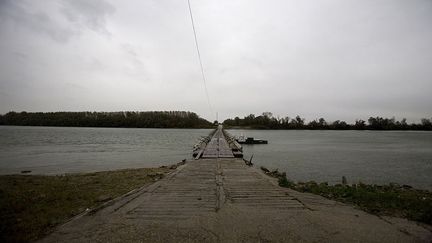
{"points": [[341, 59]]}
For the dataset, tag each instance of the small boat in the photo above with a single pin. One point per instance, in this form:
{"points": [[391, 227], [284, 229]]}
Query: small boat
{"points": [[251, 140]]}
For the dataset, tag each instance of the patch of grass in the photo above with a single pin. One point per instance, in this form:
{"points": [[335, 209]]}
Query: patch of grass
{"points": [[284, 182], [392, 200], [282, 179], [31, 205]]}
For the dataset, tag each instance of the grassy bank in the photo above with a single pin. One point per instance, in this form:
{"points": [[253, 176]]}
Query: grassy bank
{"points": [[31, 205], [391, 200]]}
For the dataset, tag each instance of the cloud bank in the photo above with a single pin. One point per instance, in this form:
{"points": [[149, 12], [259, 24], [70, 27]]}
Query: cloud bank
{"points": [[335, 59]]}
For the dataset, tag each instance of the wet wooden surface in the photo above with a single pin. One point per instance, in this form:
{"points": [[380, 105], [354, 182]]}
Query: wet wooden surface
{"points": [[218, 146]]}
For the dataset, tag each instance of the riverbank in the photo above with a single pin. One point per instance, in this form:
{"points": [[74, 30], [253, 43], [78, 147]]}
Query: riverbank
{"points": [[393, 199], [32, 205], [224, 200]]}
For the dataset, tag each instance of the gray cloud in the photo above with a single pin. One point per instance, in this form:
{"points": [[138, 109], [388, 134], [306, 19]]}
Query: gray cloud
{"points": [[131, 52], [336, 59], [37, 22], [92, 14], [78, 14]]}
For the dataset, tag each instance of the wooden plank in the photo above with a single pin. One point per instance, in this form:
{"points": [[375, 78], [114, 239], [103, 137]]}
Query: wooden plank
{"points": [[218, 146]]}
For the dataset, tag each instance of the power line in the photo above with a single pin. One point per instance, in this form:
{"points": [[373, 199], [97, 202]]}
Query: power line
{"points": [[199, 58]]}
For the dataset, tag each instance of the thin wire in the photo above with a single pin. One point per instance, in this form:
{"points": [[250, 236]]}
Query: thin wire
{"points": [[199, 57]]}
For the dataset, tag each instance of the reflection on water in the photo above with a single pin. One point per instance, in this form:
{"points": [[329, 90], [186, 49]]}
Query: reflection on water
{"points": [[403, 157], [380, 157]]}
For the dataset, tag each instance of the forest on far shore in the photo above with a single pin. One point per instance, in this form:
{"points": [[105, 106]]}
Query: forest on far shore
{"points": [[146, 119], [186, 119], [267, 121]]}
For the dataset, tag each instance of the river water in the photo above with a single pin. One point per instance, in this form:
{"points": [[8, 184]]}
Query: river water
{"points": [[58, 150], [403, 157]]}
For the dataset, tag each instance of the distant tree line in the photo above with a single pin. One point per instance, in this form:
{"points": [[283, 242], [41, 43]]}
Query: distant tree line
{"points": [[147, 119], [267, 121]]}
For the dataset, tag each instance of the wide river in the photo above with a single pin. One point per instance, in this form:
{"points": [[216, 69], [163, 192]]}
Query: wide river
{"points": [[403, 157]]}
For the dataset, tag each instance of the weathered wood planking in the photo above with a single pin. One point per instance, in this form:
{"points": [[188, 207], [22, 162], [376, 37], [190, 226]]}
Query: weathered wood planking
{"points": [[218, 146]]}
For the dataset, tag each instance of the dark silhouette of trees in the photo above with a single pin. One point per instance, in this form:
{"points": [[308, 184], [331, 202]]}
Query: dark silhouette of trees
{"points": [[339, 125], [379, 123], [322, 122], [267, 121], [426, 123], [184, 119], [360, 124], [147, 119]]}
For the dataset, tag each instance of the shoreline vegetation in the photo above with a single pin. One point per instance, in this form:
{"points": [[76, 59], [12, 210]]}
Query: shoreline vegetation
{"points": [[124, 119], [395, 200], [186, 119], [32, 205], [267, 121]]}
